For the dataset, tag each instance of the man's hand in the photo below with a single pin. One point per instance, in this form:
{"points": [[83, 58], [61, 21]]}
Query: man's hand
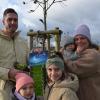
{"points": [[12, 73]]}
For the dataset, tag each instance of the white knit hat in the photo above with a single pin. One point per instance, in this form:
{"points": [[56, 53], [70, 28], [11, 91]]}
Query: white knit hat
{"points": [[83, 30]]}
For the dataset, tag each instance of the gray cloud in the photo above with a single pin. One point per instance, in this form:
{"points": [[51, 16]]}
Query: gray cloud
{"points": [[66, 16]]}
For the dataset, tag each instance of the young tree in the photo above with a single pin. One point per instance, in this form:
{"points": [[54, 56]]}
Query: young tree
{"points": [[45, 5]]}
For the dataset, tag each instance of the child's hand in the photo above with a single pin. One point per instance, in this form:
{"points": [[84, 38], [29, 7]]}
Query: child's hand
{"points": [[61, 50], [79, 49]]}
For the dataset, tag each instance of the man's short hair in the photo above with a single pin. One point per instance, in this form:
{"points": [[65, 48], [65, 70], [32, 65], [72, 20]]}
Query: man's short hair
{"points": [[9, 10]]}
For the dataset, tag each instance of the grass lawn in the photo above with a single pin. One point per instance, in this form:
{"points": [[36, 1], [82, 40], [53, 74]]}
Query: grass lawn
{"points": [[37, 75]]}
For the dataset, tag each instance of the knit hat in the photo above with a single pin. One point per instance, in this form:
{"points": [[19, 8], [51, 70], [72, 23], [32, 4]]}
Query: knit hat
{"points": [[56, 61], [83, 30], [69, 40], [21, 80]]}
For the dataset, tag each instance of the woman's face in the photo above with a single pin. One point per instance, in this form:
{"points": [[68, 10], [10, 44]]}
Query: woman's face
{"points": [[54, 73], [27, 91], [81, 42]]}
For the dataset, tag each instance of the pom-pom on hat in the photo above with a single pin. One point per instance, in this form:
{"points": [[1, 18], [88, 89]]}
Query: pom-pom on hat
{"points": [[56, 61], [22, 79], [83, 30]]}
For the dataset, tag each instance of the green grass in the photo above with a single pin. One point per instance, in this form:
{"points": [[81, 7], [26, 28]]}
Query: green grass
{"points": [[37, 75]]}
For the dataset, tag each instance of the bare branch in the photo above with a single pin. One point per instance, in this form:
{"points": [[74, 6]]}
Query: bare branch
{"points": [[50, 5], [37, 1], [59, 1], [54, 1], [40, 5], [40, 2]]}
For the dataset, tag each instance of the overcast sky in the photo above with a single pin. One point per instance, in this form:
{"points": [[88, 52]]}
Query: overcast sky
{"points": [[66, 15]]}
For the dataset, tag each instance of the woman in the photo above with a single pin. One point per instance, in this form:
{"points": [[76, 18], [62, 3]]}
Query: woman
{"points": [[59, 86], [87, 66]]}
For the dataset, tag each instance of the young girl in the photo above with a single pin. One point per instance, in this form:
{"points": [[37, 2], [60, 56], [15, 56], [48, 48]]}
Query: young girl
{"points": [[59, 86], [24, 88]]}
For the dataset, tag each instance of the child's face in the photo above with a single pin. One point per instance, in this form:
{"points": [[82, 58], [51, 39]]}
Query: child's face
{"points": [[54, 73], [70, 47], [27, 90]]}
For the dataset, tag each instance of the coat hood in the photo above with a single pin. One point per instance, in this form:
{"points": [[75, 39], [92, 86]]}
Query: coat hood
{"points": [[71, 82]]}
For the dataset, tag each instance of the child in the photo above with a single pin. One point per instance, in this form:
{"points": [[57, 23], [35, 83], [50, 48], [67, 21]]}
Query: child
{"points": [[59, 86], [24, 88], [69, 48]]}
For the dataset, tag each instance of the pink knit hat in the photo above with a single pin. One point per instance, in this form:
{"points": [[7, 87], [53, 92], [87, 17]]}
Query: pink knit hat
{"points": [[22, 79]]}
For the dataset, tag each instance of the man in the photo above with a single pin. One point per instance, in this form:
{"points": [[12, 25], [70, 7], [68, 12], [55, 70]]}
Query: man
{"points": [[12, 49]]}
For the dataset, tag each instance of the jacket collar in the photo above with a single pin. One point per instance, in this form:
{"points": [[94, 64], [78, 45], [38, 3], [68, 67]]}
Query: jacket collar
{"points": [[9, 38], [22, 98]]}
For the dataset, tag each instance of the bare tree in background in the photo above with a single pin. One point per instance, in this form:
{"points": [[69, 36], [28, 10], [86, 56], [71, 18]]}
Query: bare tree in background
{"points": [[45, 5]]}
